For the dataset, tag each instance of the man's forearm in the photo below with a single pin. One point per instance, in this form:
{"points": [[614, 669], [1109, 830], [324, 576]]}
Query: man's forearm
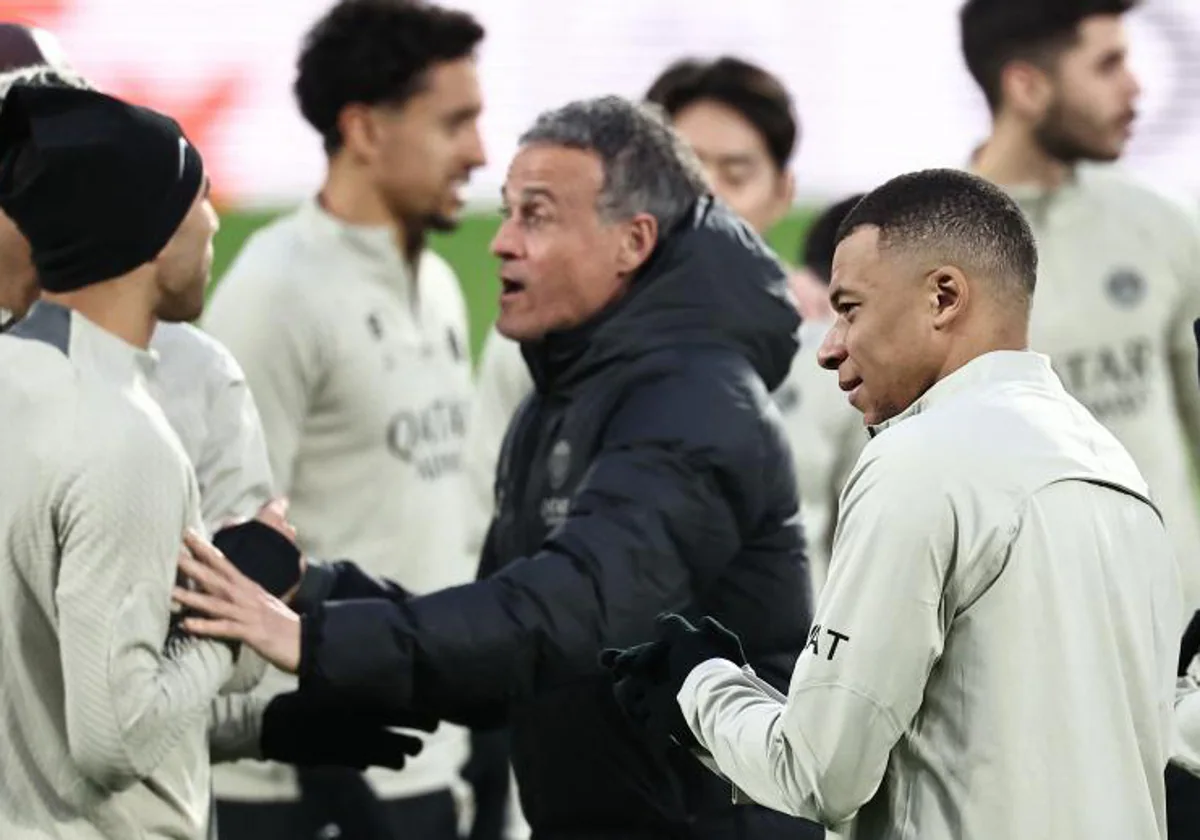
{"points": [[342, 580], [235, 727]]}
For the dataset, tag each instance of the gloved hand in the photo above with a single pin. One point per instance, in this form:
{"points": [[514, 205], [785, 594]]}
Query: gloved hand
{"points": [[263, 554], [313, 730], [648, 677], [1190, 644]]}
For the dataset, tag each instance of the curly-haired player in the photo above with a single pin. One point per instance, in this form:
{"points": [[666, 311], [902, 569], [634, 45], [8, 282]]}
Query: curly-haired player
{"points": [[353, 339]]}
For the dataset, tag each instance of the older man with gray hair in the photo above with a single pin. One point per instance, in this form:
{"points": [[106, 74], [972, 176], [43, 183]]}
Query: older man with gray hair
{"points": [[647, 472]]}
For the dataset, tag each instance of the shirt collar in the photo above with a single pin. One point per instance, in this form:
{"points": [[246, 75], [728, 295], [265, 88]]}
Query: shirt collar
{"points": [[374, 245], [101, 351], [997, 366]]}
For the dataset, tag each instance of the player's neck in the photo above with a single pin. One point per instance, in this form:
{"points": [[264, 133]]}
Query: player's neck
{"points": [[1011, 157], [349, 196], [986, 335], [120, 307]]}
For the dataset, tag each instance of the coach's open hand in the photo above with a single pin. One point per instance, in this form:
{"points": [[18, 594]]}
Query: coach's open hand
{"points": [[237, 608]]}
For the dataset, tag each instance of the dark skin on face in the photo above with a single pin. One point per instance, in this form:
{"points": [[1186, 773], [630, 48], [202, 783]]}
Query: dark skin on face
{"points": [[905, 321]]}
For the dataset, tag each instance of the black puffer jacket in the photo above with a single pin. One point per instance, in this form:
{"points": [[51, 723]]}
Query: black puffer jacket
{"points": [[648, 472]]}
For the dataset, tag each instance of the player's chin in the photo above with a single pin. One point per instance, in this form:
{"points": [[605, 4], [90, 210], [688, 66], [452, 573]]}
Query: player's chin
{"points": [[443, 222], [518, 326]]}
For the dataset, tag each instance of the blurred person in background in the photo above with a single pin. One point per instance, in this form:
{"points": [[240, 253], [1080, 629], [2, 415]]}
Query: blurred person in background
{"points": [[353, 337], [1119, 283], [648, 472], [741, 122], [1119, 279], [825, 432]]}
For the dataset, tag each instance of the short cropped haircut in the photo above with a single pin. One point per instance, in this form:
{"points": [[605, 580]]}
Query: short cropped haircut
{"points": [[374, 51], [996, 32], [957, 219], [759, 97]]}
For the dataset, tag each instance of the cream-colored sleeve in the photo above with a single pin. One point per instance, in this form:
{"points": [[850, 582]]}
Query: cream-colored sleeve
{"points": [[233, 468], [281, 346], [235, 727], [859, 682], [130, 695], [502, 383]]}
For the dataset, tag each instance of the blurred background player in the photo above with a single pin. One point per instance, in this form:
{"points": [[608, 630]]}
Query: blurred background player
{"points": [[353, 336], [1119, 275], [740, 121], [825, 432]]}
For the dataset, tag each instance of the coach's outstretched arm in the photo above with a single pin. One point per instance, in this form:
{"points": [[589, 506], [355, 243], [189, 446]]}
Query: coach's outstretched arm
{"points": [[660, 514], [857, 686]]}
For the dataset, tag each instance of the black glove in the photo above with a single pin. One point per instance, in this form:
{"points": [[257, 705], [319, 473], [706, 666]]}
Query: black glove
{"points": [[262, 554], [313, 730], [1190, 645], [648, 677]]}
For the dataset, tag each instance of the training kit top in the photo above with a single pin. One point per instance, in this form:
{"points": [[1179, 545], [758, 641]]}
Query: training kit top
{"points": [[203, 393], [994, 652], [105, 709], [1118, 289], [362, 378], [502, 383]]}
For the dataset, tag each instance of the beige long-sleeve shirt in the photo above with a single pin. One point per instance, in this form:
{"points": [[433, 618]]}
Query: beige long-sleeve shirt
{"points": [[203, 394], [1118, 288], [105, 720], [994, 652], [362, 378]]}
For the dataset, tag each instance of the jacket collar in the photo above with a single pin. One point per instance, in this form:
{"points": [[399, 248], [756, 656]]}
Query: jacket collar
{"points": [[995, 367]]}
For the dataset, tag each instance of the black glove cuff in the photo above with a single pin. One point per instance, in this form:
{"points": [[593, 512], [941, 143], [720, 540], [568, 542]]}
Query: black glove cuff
{"points": [[315, 587], [262, 554], [311, 626]]}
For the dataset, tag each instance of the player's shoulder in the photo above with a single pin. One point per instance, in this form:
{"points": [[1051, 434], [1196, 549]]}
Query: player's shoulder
{"points": [[36, 380], [437, 276], [275, 259], [189, 352], [1138, 198]]}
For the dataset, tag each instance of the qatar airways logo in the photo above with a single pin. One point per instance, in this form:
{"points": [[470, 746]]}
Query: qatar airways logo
{"points": [[430, 438]]}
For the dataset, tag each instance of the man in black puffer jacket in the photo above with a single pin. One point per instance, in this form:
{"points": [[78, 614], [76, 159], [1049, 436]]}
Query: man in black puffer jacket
{"points": [[647, 473]]}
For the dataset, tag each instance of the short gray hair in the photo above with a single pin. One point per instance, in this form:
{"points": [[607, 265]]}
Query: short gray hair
{"points": [[647, 167], [42, 75]]}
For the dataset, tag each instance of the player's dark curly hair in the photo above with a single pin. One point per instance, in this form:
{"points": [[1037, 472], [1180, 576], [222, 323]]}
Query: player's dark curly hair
{"points": [[371, 51], [751, 91], [995, 32]]}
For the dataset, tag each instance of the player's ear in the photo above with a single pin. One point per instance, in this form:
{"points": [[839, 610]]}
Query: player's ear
{"points": [[359, 130], [640, 237], [948, 294]]}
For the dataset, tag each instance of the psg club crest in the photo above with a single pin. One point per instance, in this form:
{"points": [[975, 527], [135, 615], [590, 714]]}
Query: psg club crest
{"points": [[559, 464], [1126, 288]]}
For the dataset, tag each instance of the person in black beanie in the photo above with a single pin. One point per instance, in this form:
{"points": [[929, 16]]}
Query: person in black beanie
{"points": [[107, 704]]}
